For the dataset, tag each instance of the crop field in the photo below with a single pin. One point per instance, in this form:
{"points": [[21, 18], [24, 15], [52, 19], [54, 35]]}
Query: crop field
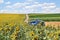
{"points": [[46, 17], [5, 18], [13, 27], [54, 24]]}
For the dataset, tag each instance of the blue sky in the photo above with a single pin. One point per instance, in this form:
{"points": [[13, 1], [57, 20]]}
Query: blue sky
{"points": [[29, 6]]}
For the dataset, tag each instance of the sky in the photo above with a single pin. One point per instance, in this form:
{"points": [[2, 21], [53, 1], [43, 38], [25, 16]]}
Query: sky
{"points": [[29, 6]]}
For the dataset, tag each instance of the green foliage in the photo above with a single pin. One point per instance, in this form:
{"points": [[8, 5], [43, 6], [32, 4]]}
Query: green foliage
{"points": [[21, 32], [45, 17]]}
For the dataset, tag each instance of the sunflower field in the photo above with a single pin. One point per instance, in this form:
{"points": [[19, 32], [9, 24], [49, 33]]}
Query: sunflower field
{"points": [[26, 32], [23, 31]]}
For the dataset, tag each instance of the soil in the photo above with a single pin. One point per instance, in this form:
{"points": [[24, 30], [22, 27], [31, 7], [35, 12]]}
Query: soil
{"points": [[55, 24]]}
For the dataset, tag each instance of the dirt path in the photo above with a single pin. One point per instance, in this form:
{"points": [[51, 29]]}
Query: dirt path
{"points": [[52, 23]]}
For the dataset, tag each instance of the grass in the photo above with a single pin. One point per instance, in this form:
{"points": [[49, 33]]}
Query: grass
{"points": [[45, 17]]}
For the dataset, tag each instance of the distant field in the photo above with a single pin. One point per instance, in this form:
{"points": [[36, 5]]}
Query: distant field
{"points": [[54, 24], [11, 18], [21, 17], [46, 17]]}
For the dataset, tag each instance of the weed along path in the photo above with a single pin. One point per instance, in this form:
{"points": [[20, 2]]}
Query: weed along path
{"points": [[52, 24]]}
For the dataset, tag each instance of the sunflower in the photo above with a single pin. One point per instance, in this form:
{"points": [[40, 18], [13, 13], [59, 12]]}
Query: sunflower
{"points": [[35, 37], [13, 37], [17, 28], [31, 33], [1, 28]]}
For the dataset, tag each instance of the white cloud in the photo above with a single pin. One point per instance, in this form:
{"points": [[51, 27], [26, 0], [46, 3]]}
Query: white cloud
{"points": [[33, 6], [28, 7], [1, 1], [8, 6], [30, 0], [17, 5], [9, 11], [8, 2], [48, 5], [3, 11], [57, 10], [14, 6]]}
